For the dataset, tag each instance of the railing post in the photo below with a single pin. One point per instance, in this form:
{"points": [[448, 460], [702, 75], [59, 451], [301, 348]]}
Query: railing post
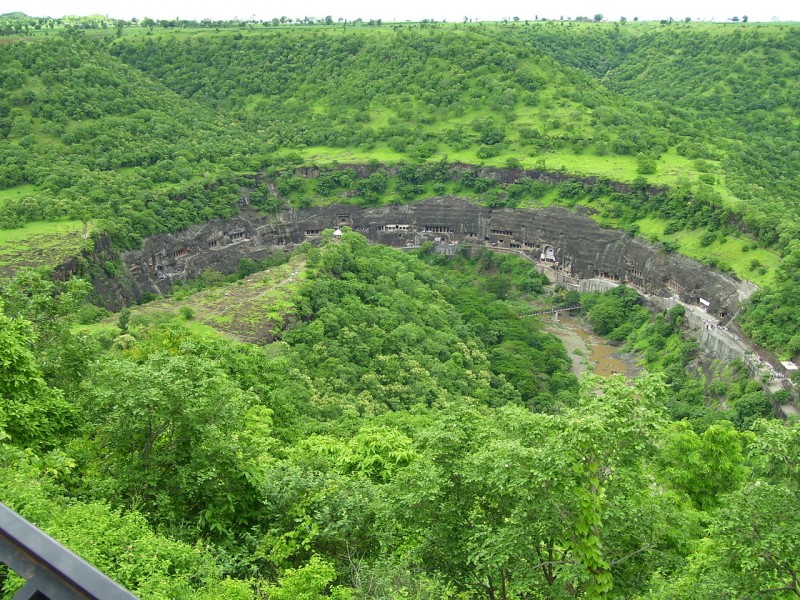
{"points": [[51, 572]]}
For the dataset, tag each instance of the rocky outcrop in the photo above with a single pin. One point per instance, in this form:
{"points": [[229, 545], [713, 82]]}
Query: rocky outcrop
{"points": [[569, 244], [100, 264]]}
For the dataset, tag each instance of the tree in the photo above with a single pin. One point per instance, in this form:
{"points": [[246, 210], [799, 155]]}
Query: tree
{"points": [[377, 454], [122, 545], [598, 17], [173, 427], [124, 319], [309, 582], [747, 552], [611, 434], [707, 465], [508, 501], [31, 413], [606, 315], [50, 308], [645, 164], [498, 285]]}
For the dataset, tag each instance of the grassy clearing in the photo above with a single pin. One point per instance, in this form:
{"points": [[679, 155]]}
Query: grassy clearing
{"points": [[671, 166], [748, 262], [97, 329], [40, 244], [324, 154], [18, 192], [251, 309]]}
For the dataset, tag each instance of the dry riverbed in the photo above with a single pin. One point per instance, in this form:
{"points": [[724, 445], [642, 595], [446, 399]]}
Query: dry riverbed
{"points": [[588, 351]]}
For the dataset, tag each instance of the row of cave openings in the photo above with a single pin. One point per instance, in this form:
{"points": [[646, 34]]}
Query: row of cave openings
{"points": [[498, 238], [502, 238]]}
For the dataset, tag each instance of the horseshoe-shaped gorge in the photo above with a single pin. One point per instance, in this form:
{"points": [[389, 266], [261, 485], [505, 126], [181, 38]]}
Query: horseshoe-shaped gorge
{"points": [[317, 355], [570, 248]]}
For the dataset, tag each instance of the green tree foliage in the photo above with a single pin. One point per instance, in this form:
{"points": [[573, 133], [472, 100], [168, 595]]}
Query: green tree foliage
{"points": [[754, 66], [310, 582], [101, 114], [380, 332], [31, 413], [410, 435], [613, 313], [748, 551], [121, 544], [50, 309], [707, 465], [771, 318], [513, 500], [645, 165], [91, 117], [91, 125], [172, 427]]}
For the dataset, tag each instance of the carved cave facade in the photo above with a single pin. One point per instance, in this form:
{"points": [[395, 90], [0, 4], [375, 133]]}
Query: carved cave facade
{"points": [[568, 246]]}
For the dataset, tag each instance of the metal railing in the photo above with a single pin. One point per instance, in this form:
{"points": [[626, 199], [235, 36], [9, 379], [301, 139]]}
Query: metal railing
{"points": [[50, 571]]}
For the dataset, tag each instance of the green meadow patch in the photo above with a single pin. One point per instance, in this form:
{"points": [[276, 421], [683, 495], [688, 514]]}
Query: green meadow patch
{"points": [[18, 192], [726, 251], [40, 244]]}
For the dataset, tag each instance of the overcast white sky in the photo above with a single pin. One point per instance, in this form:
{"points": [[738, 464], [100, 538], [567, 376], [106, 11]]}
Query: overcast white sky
{"points": [[451, 10]]}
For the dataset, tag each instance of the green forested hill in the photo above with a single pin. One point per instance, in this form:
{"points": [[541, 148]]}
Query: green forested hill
{"points": [[99, 140], [745, 87], [734, 88], [151, 131], [616, 101], [722, 98], [415, 92]]}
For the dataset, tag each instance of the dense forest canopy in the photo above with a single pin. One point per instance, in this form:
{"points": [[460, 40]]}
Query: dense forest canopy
{"points": [[351, 421], [538, 93]]}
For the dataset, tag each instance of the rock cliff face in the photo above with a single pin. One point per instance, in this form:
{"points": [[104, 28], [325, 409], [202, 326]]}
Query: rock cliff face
{"points": [[572, 247]]}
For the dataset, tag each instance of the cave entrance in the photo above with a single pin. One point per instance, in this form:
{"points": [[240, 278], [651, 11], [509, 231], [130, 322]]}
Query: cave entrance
{"points": [[548, 254]]}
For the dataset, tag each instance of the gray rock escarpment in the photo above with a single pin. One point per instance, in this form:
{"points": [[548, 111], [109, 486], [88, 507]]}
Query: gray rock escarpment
{"points": [[571, 245]]}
